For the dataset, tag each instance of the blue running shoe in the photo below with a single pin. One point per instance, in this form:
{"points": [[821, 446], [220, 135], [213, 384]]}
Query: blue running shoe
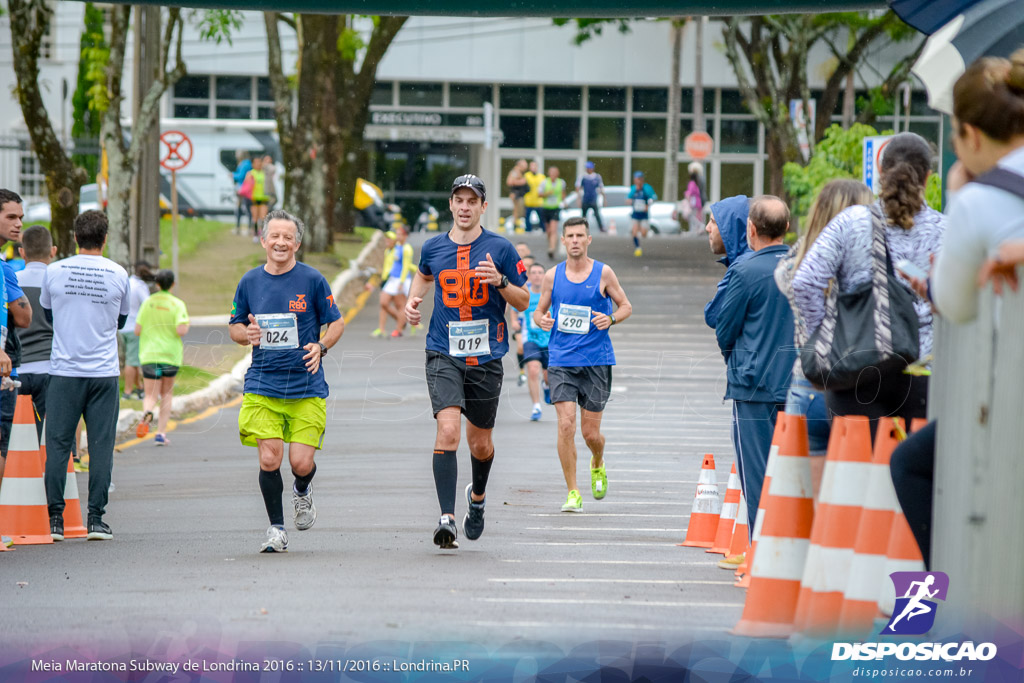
{"points": [[535, 415]]}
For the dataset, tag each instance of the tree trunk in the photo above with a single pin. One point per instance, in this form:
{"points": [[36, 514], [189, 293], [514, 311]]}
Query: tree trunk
{"points": [[30, 20]]}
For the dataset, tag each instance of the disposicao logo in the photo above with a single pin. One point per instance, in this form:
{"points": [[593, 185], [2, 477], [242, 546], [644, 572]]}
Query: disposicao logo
{"points": [[914, 614]]}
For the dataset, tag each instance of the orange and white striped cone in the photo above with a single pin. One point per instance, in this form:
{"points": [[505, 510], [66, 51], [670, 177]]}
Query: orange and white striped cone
{"points": [[24, 515], [73, 523], [740, 532], [836, 521], [778, 563], [867, 571], [743, 571], [707, 508], [727, 520], [902, 553]]}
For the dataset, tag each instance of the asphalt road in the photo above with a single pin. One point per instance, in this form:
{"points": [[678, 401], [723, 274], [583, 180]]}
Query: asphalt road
{"points": [[188, 519]]}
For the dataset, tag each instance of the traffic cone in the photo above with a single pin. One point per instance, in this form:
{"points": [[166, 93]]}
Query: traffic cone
{"points": [[73, 526], [707, 508], [611, 228], [778, 562], [902, 553], [836, 520], [867, 570], [740, 532], [23, 510], [727, 520], [743, 571]]}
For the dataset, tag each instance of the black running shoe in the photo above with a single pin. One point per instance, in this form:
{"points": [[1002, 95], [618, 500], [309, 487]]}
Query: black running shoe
{"points": [[473, 522], [99, 531], [445, 534], [57, 528]]}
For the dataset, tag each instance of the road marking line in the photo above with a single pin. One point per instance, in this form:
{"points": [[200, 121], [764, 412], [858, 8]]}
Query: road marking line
{"points": [[577, 626], [600, 543], [660, 582], [601, 529], [637, 603], [710, 562], [604, 514]]}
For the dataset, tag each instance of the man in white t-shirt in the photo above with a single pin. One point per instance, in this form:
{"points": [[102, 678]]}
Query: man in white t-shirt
{"points": [[87, 299]]}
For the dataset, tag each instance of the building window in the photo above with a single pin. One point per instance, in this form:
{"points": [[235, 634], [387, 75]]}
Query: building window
{"points": [[192, 87], [223, 97], [733, 102], [520, 131], [738, 137], [420, 94], [563, 99], [468, 95], [381, 93], [607, 99], [31, 180], [606, 133], [518, 97], [561, 132], [610, 169], [648, 135], [649, 100]]}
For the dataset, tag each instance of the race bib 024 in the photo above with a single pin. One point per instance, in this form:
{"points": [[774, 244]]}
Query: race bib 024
{"points": [[278, 331]]}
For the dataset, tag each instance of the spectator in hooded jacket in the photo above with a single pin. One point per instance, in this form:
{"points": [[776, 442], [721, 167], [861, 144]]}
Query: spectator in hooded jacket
{"points": [[727, 233]]}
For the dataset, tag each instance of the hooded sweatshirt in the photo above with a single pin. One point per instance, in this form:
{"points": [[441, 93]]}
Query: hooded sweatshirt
{"points": [[731, 216]]}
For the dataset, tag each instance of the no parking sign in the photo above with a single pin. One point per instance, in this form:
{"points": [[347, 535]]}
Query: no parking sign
{"points": [[874, 147]]}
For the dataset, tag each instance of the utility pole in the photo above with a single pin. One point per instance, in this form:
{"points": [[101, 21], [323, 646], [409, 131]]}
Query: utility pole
{"points": [[674, 107], [144, 236]]}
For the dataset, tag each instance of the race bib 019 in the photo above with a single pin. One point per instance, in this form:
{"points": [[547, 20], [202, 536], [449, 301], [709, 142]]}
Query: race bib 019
{"points": [[469, 338], [278, 331], [573, 319]]}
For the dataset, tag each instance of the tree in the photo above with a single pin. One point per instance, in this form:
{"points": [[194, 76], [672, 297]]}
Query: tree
{"points": [[124, 151], [87, 113], [769, 57], [30, 21], [322, 112]]}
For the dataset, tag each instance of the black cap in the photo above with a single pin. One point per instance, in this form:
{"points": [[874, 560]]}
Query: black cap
{"points": [[472, 182]]}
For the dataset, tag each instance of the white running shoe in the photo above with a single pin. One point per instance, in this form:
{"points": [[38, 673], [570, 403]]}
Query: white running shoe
{"points": [[305, 511], [277, 541]]}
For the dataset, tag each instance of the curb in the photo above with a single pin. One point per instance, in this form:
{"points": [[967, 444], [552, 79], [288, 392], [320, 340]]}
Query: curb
{"points": [[346, 287]]}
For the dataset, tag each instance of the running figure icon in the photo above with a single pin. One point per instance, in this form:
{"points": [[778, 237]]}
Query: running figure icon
{"points": [[915, 606]]}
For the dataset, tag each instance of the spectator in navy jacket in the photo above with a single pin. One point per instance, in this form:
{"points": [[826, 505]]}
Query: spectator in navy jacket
{"points": [[727, 233], [755, 334]]}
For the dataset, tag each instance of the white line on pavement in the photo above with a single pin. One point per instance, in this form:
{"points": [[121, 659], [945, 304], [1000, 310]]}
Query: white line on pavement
{"points": [[633, 603], [665, 582]]}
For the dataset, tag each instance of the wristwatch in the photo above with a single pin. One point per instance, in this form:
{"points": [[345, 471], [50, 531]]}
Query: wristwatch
{"points": [[504, 282], [612, 316], [323, 349]]}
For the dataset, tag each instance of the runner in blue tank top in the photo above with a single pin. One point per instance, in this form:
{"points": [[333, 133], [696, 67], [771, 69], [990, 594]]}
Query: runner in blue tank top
{"points": [[576, 305], [477, 272]]}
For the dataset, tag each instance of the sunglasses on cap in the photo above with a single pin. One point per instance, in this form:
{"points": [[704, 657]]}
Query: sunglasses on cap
{"points": [[472, 182]]}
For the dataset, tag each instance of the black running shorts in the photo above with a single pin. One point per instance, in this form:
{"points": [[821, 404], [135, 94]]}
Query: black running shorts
{"points": [[473, 388], [158, 370], [588, 386]]}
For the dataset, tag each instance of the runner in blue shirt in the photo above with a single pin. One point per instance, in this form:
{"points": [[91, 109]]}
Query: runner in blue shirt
{"points": [[535, 347], [579, 294], [590, 187], [279, 308], [641, 196], [477, 272]]}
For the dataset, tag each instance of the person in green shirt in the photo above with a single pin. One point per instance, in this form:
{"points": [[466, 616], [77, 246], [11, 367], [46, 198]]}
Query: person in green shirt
{"points": [[260, 199], [552, 192], [160, 325]]}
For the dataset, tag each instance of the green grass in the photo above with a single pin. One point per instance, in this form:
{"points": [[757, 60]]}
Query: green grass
{"points": [[192, 233]]}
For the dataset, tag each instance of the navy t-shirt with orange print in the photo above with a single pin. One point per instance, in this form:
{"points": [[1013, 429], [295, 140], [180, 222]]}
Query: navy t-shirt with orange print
{"points": [[459, 294], [303, 290]]}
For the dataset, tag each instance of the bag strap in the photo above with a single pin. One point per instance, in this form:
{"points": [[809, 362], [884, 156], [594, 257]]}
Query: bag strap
{"points": [[1004, 179], [881, 270]]}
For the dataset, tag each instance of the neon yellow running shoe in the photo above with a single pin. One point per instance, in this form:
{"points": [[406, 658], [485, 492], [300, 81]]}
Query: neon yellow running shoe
{"points": [[573, 503], [598, 480], [377, 333]]}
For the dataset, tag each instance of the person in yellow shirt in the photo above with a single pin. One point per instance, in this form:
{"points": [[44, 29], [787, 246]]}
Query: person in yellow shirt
{"points": [[160, 325], [532, 199], [398, 270]]}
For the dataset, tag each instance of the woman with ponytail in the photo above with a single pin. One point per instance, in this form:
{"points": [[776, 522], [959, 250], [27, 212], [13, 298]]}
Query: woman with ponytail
{"points": [[985, 222], [841, 257]]}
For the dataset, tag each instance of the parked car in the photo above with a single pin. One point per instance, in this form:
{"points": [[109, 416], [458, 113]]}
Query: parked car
{"points": [[40, 213], [615, 208]]}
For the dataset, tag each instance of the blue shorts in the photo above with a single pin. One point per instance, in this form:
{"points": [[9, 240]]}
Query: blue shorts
{"points": [[534, 351], [804, 399], [641, 216]]}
